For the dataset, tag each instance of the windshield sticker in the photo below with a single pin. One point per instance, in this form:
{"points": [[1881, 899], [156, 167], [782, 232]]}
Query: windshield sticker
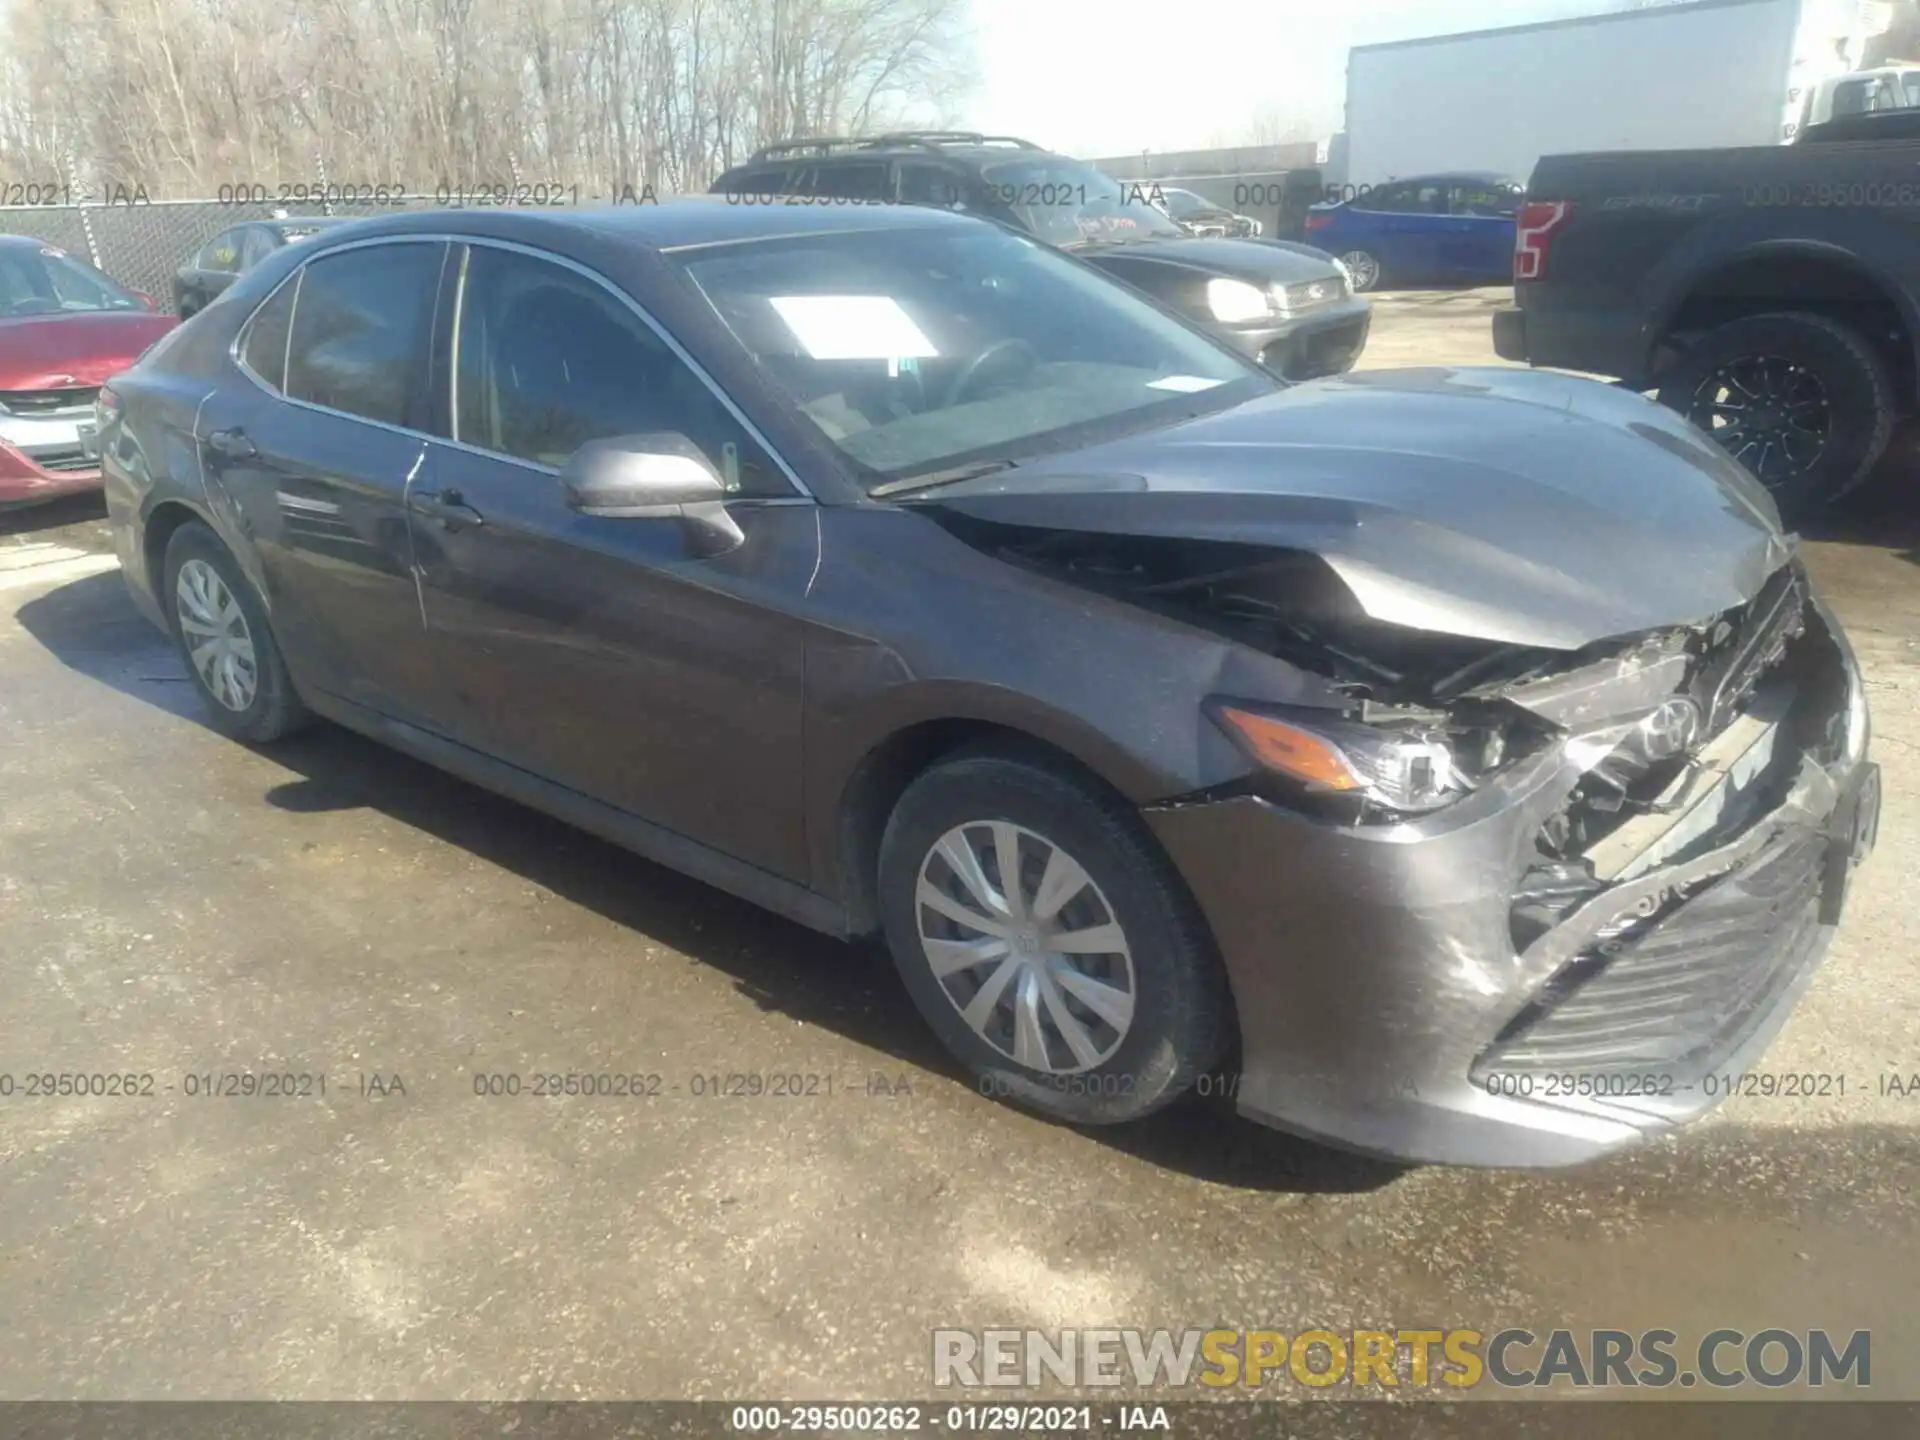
{"points": [[853, 327], [1185, 384]]}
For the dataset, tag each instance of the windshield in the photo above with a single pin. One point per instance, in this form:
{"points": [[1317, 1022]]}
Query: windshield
{"points": [[1065, 202], [51, 282], [917, 350]]}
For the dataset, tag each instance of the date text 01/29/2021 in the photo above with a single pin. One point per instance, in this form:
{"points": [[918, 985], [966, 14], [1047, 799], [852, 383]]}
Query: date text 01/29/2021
{"points": [[988, 1419], [445, 194], [1715, 1085]]}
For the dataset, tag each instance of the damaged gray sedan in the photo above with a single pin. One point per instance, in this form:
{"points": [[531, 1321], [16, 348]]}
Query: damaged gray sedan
{"points": [[1456, 764]]}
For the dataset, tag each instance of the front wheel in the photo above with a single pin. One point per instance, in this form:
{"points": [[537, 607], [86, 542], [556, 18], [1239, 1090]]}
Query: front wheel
{"points": [[1804, 403], [1048, 942]]}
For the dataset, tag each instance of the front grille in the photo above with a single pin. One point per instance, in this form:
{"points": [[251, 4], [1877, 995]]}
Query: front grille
{"points": [[47, 404], [61, 464], [1747, 644], [1674, 994], [1308, 295]]}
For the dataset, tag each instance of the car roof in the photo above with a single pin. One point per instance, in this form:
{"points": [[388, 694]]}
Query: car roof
{"points": [[965, 147], [1478, 177], [21, 242], [678, 223]]}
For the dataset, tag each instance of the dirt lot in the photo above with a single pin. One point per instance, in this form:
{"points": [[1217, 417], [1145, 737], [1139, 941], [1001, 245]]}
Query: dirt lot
{"points": [[177, 905]]}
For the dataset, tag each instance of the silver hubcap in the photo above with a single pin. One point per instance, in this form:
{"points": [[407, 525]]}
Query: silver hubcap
{"points": [[217, 639], [1026, 947], [1363, 267]]}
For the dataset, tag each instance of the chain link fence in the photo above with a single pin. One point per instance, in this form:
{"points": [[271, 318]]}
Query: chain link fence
{"points": [[141, 245]]}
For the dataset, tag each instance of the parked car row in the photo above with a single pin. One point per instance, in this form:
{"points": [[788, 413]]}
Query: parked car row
{"points": [[64, 329], [1288, 307], [233, 252], [1410, 741]]}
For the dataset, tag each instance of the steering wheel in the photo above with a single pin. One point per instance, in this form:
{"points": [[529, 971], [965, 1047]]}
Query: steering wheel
{"points": [[963, 382]]}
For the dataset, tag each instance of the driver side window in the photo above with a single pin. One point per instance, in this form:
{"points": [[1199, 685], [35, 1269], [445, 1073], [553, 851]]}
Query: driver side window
{"points": [[548, 360]]}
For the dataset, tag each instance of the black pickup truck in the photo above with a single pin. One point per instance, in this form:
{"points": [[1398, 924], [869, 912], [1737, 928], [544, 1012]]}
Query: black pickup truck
{"points": [[1771, 295]]}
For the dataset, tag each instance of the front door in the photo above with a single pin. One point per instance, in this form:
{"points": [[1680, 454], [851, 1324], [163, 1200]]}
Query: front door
{"points": [[314, 460], [603, 654]]}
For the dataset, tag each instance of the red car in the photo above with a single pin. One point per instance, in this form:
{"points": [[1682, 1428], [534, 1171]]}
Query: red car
{"points": [[64, 329]]}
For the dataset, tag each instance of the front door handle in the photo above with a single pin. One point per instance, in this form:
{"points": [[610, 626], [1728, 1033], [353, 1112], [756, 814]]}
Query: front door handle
{"points": [[232, 444], [449, 507]]}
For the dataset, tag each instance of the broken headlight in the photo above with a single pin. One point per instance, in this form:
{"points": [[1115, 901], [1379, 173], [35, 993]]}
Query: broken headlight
{"points": [[1406, 767]]}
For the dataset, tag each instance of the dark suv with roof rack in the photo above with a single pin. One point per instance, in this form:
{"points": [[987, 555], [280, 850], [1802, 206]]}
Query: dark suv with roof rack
{"points": [[1289, 307]]}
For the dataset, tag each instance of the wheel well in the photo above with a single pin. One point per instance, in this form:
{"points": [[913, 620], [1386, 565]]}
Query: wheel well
{"points": [[883, 776], [165, 519], [1770, 284]]}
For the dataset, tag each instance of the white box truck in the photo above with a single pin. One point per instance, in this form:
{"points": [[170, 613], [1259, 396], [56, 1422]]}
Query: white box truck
{"points": [[1683, 76]]}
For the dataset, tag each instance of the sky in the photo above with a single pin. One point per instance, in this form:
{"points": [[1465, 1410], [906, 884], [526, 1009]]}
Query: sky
{"points": [[1114, 77]]}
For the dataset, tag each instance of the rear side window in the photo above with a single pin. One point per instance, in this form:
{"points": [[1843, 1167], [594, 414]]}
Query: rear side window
{"points": [[766, 180], [265, 348], [932, 185], [864, 180], [221, 254], [360, 330], [1488, 200], [257, 247]]}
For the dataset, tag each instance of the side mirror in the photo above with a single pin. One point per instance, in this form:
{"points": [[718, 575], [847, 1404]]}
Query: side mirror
{"points": [[662, 476]]}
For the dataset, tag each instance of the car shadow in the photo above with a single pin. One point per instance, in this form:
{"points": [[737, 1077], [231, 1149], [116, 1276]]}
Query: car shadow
{"points": [[85, 509], [1882, 511], [91, 627]]}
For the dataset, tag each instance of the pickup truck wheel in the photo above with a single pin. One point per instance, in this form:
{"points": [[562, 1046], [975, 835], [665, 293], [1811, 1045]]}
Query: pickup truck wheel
{"points": [[1802, 402]]}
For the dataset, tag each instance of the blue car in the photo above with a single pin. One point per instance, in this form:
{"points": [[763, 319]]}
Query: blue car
{"points": [[1430, 229]]}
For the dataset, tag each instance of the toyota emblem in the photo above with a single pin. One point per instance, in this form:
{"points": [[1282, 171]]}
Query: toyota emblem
{"points": [[1672, 729]]}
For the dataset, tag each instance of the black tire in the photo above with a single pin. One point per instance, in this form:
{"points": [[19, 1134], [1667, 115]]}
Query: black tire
{"points": [[1182, 1014], [1822, 372], [275, 708]]}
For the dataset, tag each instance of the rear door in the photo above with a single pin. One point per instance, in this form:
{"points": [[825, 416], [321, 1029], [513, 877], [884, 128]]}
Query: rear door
{"points": [[1484, 213], [603, 654], [314, 452], [1424, 240]]}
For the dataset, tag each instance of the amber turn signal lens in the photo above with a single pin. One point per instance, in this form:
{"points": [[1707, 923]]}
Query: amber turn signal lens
{"points": [[1292, 751]]}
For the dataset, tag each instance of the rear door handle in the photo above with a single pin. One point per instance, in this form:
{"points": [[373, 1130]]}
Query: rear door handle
{"points": [[232, 444], [449, 507]]}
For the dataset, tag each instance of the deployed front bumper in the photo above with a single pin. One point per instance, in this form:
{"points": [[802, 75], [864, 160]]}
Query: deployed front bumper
{"points": [[1307, 346], [1388, 1001]]}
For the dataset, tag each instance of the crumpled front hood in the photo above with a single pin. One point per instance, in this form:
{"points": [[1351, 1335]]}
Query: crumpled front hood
{"points": [[1504, 505]]}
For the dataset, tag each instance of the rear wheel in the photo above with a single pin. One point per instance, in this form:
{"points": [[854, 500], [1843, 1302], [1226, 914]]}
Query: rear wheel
{"points": [[1804, 403], [1047, 941], [221, 628], [1364, 270]]}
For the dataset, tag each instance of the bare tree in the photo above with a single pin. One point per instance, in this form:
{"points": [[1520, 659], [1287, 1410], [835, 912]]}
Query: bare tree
{"points": [[182, 96]]}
